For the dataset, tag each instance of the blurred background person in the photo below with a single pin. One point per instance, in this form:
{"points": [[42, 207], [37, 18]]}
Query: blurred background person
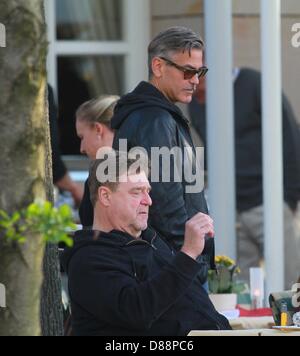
{"points": [[249, 175], [61, 177], [93, 129]]}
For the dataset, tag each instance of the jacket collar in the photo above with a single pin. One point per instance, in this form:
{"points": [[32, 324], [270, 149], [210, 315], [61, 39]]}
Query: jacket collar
{"points": [[145, 95]]}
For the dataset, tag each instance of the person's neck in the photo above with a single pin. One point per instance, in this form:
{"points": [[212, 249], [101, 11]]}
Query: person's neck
{"points": [[155, 83], [100, 225], [107, 227]]}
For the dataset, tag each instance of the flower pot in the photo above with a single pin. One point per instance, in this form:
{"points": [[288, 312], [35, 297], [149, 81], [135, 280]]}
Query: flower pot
{"points": [[224, 302]]}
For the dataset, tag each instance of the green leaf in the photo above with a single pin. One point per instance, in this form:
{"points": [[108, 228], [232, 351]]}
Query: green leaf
{"points": [[225, 280], [65, 211], [33, 209], [16, 217], [39, 218], [4, 215]]}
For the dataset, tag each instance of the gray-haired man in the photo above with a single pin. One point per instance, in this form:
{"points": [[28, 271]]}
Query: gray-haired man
{"points": [[123, 278], [149, 118]]}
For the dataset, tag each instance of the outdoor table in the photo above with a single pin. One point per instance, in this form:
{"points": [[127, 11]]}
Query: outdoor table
{"points": [[252, 332], [246, 323]]}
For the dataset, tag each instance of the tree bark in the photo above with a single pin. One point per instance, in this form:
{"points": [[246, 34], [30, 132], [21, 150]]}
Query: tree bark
{"points": [[51, 304], [22, 157]]}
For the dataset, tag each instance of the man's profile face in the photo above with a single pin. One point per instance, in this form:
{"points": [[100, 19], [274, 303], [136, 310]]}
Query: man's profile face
{"points": [[172, 82], [130, 203]]}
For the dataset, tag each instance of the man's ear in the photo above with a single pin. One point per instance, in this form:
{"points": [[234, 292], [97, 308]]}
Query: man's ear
{"points": [[104, 196], [157, 67]]}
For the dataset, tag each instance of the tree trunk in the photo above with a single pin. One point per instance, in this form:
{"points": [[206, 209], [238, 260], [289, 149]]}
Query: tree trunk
{"points": [[51, 305], [22, 157]]}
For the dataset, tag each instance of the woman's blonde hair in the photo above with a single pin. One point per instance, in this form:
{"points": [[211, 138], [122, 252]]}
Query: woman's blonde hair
{"points": [[98, 110]]}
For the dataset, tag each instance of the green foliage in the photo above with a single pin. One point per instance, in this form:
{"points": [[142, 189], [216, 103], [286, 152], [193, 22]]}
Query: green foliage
{"points": [[223, 280], [38, 218]]}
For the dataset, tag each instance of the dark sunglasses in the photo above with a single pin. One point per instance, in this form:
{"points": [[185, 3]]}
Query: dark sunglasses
{"points": [[187, 72]]}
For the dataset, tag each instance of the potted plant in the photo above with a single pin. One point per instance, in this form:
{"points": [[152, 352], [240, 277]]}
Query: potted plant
{"points": [[223, 285]]}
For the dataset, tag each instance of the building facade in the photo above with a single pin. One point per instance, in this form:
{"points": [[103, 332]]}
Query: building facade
{"points": [[99, 47]]}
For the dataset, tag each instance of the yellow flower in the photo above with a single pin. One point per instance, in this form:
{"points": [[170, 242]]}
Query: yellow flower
{"points": [[223, 279], [224, 261], [217, 259]]}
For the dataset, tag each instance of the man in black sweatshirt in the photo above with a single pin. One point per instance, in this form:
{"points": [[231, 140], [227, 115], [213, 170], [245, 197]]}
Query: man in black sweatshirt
{"points": [[124, 279], [249, 175]]}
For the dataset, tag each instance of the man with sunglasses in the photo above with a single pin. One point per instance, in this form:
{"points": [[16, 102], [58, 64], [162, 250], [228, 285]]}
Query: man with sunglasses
{"points": [[149, 118]]}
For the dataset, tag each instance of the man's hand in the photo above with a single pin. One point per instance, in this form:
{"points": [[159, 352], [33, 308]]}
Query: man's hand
{"points": [[195, 231]]}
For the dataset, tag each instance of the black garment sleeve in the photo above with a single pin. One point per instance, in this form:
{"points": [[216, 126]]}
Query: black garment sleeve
{"points": [[114, 296], [59, 168]]}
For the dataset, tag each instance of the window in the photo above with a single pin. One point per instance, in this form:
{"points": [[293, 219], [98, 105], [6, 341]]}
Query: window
{"points": [[89, 20], [96, 47]]}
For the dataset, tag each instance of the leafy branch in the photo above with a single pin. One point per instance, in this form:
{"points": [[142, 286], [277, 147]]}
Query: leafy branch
{"points": [[39, 218]]}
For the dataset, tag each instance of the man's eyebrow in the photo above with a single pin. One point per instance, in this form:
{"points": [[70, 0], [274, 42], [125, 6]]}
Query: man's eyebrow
{"points": [[141, 188]]}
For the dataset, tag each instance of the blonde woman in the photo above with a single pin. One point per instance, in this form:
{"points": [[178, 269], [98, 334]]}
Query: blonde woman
{"points": [[93, 128]]}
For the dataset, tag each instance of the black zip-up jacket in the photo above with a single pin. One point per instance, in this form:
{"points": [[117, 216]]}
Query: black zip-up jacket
{"points": [[145, 118], [122, 286]]}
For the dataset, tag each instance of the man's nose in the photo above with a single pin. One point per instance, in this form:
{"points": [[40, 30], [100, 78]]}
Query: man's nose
{"points": [[147, 200], [195, 80]]}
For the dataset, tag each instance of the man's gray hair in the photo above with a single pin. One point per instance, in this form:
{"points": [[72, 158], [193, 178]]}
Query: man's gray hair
{"points": [[173, 40], [115, 164]]}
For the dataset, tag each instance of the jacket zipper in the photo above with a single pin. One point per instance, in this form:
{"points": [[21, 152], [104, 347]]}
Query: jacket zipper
{"points": [[137, 242]]}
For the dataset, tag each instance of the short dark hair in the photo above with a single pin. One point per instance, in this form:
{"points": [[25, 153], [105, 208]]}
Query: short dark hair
{"points": [[123, 163], [173, 40]]}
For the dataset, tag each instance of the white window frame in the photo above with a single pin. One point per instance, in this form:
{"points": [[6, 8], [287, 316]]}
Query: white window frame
{"points": [[137, 24]]}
